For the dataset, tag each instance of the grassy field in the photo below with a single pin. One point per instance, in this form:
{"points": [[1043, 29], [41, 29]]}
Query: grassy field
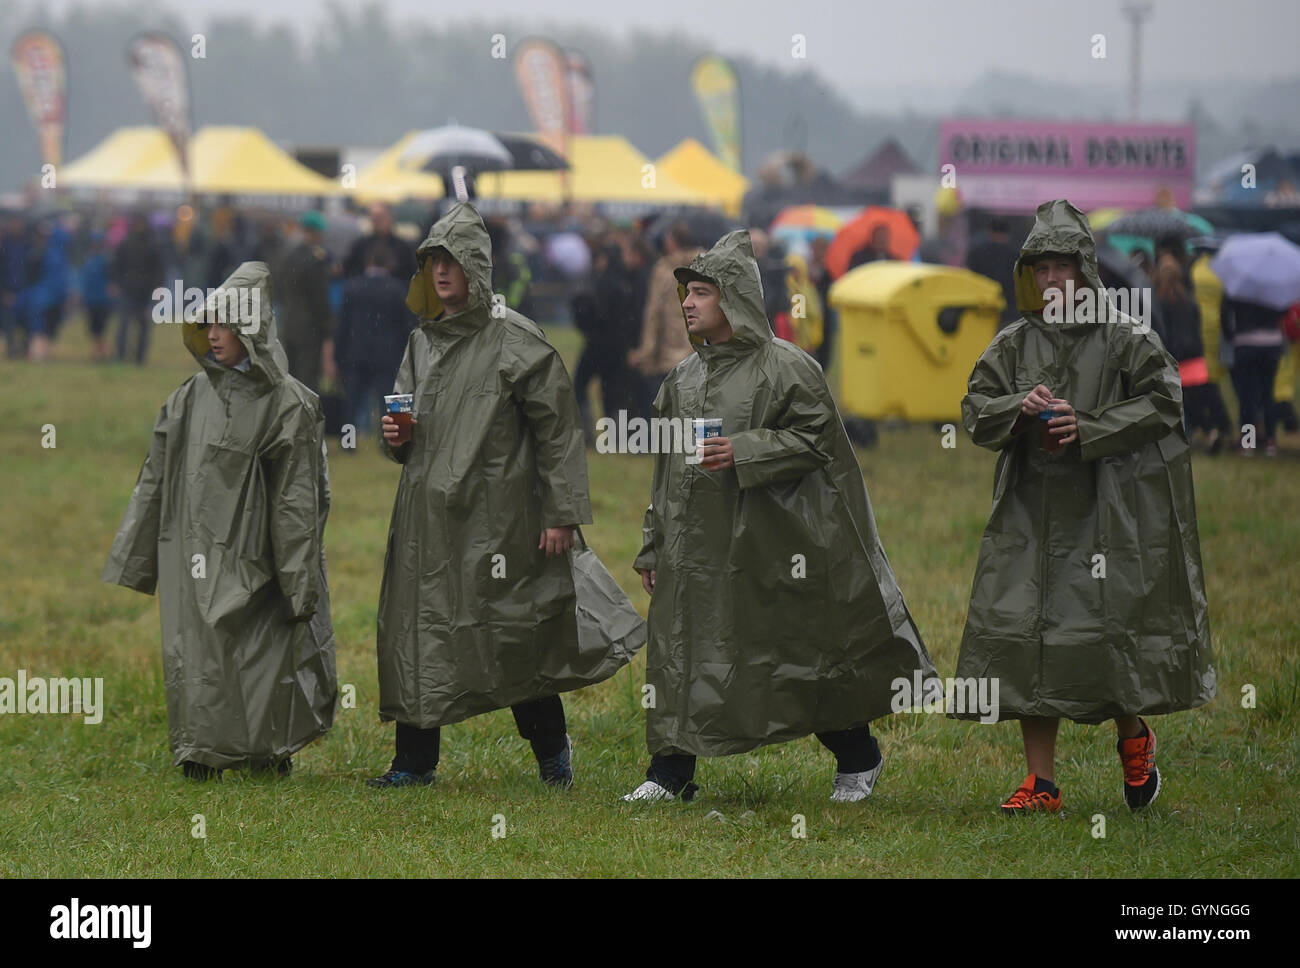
{"points": [[105, 800]]}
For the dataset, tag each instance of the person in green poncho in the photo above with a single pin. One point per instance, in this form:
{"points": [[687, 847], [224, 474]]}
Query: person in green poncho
{"points": [[774, 612], [477, 608], [227, 522], [1089, 599]]}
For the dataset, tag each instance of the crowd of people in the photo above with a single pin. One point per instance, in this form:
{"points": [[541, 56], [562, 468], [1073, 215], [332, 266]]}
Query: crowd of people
{"points": [[339, 286]]}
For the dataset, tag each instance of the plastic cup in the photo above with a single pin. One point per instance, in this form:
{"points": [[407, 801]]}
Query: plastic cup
{"points": [[705, 427], [400, 407], [1050, 441]]}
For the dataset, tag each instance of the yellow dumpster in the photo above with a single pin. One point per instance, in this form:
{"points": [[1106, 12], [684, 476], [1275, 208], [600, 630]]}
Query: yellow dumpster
{"points": [[909, 337]]}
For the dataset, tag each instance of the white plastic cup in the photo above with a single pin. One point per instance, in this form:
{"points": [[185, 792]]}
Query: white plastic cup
{"points": [[705, 427]]}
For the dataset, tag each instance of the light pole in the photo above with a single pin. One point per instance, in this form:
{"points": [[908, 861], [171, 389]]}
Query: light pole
{"points": [[1136, 11]]}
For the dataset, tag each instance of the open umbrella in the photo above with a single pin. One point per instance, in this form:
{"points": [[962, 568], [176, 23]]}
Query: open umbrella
{"points": [[442, 149], [706, 227], [1259, 267], [798, 225], [528, 154], [1158, 223], [903, 237]]}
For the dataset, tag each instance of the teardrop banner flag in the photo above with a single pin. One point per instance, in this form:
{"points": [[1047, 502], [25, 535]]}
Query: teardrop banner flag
{"points": [[542, 71], [42, 76], [159, 71], [717, 92]]}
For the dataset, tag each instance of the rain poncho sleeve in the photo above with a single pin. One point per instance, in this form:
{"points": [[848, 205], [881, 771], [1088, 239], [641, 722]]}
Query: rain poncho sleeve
{"points": [[648, 557], [545, 397], [405, 382], [798, 443], [133, 562], [1154, 406], [989, 412], [294, 473]]}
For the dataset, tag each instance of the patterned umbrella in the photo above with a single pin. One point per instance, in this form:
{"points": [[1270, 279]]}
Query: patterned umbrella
{"points": [[1157, 223]]}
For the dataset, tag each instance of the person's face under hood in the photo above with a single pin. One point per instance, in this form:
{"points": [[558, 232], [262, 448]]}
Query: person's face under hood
{"points": [[703, 310], [462, 234], [226, 347]]}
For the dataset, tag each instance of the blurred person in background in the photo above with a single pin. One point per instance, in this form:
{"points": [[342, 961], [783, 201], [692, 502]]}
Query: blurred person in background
{"points": [[664, 341], [13, 280], [511, 274], [821, 280], [1255, 334], [1180, 331], [137, 270], [95, 297], [374, 325], [994, 257], [608, 321], [301, 294], [401, 255]]}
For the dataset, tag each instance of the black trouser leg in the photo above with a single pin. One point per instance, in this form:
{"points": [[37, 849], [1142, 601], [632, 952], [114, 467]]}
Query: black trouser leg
{"points": [[541, 722], [672, 772], [856, 750], [417, 749]]}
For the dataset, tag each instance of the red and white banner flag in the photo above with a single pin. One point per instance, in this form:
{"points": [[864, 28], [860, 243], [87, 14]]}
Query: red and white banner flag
{"points": [[159, 70], [38, 61]]}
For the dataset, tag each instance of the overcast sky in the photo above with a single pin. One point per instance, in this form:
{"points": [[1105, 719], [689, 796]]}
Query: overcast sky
{"points": [[865, 45]]}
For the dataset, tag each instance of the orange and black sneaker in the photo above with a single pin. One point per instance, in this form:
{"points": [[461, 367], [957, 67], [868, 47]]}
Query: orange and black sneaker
{"points": [[1141, 778], [1034, 796]]}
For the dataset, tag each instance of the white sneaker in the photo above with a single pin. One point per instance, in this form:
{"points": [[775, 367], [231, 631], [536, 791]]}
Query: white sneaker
{"points": [[649, 790], [852, 787]]}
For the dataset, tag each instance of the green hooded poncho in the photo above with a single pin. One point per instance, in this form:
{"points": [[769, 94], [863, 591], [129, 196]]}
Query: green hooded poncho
{"points": [[1088, 600], [236, 474], [775, 612], [472, 615]]}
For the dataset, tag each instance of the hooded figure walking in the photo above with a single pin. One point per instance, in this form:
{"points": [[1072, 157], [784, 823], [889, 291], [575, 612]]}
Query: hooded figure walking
{"points": [[774, 612], [1089, 599], [227, 521], [478, 609]]}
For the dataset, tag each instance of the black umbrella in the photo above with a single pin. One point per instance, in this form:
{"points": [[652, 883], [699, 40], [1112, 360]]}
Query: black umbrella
{"points": [[706, 227], [1118, 271], [442, 149], [1158, 223], [528, 154]]}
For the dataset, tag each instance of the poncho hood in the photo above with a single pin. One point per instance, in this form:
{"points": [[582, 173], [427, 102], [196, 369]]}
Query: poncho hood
{"points": [[243, 301]]}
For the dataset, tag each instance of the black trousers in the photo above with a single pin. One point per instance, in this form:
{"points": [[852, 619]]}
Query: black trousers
{"points": [[856, 751], [1253, 373], [541, 722]]}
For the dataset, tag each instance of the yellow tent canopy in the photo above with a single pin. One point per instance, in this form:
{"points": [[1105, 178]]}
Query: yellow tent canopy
{"points": [[123, 153], [224, 160], [386, 180], [694, 166], [603, 168]]}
